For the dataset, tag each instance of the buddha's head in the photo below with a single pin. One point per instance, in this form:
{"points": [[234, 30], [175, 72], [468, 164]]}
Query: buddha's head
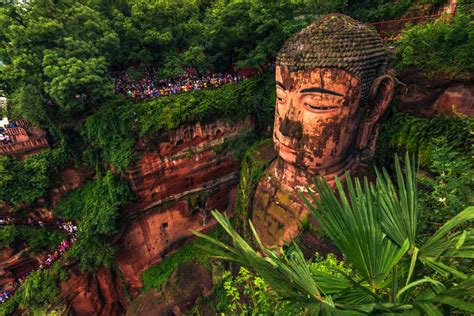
{"points": [[331, 93]]}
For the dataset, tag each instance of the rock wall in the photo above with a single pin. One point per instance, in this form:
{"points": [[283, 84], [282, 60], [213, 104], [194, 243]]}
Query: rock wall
{"points": [[429, 97], [180, 176], [100, 293]]}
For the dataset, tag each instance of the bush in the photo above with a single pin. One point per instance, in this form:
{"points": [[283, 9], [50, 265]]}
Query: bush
{"points": [[95, 207], [444, 147], [8, 234], [378, 10], [38, 293], [230, 102], [108, 134], [249, 294], [25, 181], [157, 275], [439, 47], [37, 239]]}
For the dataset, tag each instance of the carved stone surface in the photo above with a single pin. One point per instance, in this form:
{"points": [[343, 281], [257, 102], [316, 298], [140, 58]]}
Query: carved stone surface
{"points": [[180, 177], [331, 94]]}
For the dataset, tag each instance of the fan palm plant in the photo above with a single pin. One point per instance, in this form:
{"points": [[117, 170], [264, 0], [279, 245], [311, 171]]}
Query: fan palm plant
{"points": [[375, 228]]}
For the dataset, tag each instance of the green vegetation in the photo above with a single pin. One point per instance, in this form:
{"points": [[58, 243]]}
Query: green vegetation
{"points": [[248, 294], [109, 135], [111, 132], [378, 10], [251, 170], [444, 46], [38, 293], [444, 147], [157, 275], [37, 239], [375, 226], [95, 208], [231, 102], [8, 235], [25, 181]]}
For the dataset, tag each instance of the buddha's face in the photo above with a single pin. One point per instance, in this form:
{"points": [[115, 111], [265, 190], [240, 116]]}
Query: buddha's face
{"points": [[317, 116]]}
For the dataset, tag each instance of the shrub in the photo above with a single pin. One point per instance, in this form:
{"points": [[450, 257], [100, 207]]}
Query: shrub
{"points": [[157, 275], [444, 46], [38, 294], [95, 207], [230, 102], [108, 134], [37, 239], [8, 234], [25, 181], [444, 147]]}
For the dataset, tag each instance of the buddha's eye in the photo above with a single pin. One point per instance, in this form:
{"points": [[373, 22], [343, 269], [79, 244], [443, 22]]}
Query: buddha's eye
{"points": [[281, 96], [320, 108]]}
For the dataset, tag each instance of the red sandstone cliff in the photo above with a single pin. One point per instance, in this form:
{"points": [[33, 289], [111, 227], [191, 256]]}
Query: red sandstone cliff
{"points": [[180, 176], [436, 96]]}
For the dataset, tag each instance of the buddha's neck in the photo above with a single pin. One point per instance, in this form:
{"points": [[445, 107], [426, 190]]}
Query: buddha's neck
{"points": [[292, 177]]}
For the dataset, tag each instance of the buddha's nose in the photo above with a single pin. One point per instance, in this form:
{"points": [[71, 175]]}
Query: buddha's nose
{"points": [[291, 128]]}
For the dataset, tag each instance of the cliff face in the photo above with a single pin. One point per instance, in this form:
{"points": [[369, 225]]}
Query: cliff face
{"points": [[429, 97], [180, 176], [100, 293]]}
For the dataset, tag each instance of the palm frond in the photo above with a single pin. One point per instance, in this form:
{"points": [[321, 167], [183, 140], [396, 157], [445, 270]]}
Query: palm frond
{"points": [[353, 223], [398, 204], [287, 273]]}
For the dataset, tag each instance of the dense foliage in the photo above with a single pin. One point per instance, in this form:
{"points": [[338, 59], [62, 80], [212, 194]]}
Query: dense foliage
{"points": [[111, 132], [109, 135], [39, 295], [95, 208], [37, 239], [252, 168], [375, 226], [444, 46], [444, 147], [25, 181], [248, 294]]}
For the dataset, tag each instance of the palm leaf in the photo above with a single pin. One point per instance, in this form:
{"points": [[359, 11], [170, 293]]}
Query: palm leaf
{"points": [[398, 204], [353, 225]]}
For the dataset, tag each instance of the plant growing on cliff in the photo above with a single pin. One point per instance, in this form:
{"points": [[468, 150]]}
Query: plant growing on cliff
{"points": [[439, 47], [25, 181], [96, 208], [375, 227], [444, 147], [38, 295]]}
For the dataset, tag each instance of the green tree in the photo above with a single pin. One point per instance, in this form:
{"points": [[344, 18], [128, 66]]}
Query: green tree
{"points": [[444, 46], [25, 181], [60, 51], [248, 33], [95, 208]]}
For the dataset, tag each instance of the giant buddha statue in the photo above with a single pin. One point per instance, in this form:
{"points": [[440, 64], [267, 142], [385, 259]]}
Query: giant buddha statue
{"points": [[331, 92]]}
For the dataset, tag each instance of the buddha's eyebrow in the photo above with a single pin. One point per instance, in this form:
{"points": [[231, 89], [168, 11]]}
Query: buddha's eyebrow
{"points": [[320, 90], [278, 83]]}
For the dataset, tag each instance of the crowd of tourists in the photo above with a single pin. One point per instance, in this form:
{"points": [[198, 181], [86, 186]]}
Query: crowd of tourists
{"points": [[68, 227], [150, 88], [4, 137]]}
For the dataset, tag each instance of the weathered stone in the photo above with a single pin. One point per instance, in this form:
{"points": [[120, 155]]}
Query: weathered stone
{"points": [[100, 293], [326, 116], [180, 177]]}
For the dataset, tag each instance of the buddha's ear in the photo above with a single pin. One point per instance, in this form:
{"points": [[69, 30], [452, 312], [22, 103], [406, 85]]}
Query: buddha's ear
{"points": [[380, 97]]}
